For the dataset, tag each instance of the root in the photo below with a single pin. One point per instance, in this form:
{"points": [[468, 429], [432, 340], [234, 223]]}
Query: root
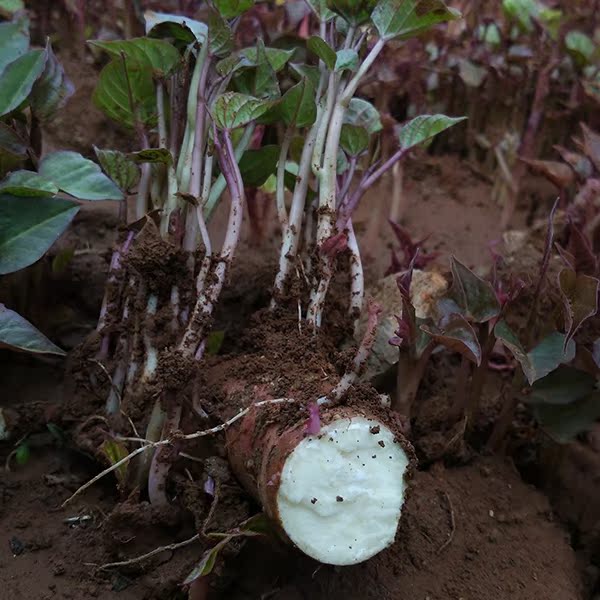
{"points": [[452, 525]]}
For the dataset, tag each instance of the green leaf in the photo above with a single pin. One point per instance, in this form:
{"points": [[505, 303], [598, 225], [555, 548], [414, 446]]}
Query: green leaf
{"points": [[346, 60], [323, 50], [425, 127], [298, 106], [207, 563], [565, 422], [230, 9], [18, 78], [11, 142], [310, 72], [78, 176], [52, 90], [355, 12], [62, 259], [17, 333], [232, 110], [458, 336], [177, 27], [543, 359], [581, 47], [27, 183], [159, 56], [112, 97], [522, 11], [248, 58], [214, 341], [259, 81], [362, 113], [152, 155], [257, 165], [114, 452], [8, 8], [221, 37], [14, 41], [563, 386], [407, 18], [354, 139], [580, 299], [28, 227], [22, 454], [472, 294], [119, 167]]}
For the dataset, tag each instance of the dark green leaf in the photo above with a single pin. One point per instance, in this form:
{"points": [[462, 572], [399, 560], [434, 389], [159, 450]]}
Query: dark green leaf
{"points": [[543, 359], [563, 386], [152, 155], [458, 336], [232, 110], [177, 27], [472, 294], [259, 81], [581, 47], [346, 60], [319, 7], [565, 422], [230, 9], [160, 57], [425, 127], [78, 176], [221, 37], [301, 71], [18, 78], [22, 454], [214, 341], [28, 227], [257, 165], [121, 169], [51, 91], [522, 11], [62, 259], [111, 94], [407, 18], [580, 298], [354, 139], [16, 333], [27, 183], [14, 41], [355, 12], [362, 113], [248, 58], [323, 50], [11, 143], [298, 106]]}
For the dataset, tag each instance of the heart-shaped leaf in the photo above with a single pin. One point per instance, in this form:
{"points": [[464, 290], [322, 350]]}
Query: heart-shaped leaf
{"points": [[78, 176], [543, 359], [581, 47], [563, 386], [256, 166], [580, 298], [248, 58], [152, 155], [301, 71], [457, 335], [221, 37], [407, 18], [14, 41], [159, 56], [27, 183], [232, 110], [354, 139], [475, 297], [17, 333], [52, 90], [259, 81], [323, 50], [363, 114], [28, 227], [423, 128], [354, 12], [17, 79], [320, 9], [112, 95], [177, 27], [298, 106], [121, 169], [346, 60]]}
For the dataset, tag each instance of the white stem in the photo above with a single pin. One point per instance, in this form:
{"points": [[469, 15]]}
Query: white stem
{"points": [[280, 189], [357, 276]]}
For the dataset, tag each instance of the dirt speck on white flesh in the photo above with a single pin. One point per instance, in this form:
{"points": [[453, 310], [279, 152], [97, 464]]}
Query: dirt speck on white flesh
{"points": [[342, 491]]}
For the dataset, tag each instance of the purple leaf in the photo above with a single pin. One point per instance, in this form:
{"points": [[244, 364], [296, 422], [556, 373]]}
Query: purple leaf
{"points": [[410, 251], [457, 335]]}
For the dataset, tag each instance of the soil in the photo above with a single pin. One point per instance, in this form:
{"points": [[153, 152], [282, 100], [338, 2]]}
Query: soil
{"points": [[473, 528]]}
